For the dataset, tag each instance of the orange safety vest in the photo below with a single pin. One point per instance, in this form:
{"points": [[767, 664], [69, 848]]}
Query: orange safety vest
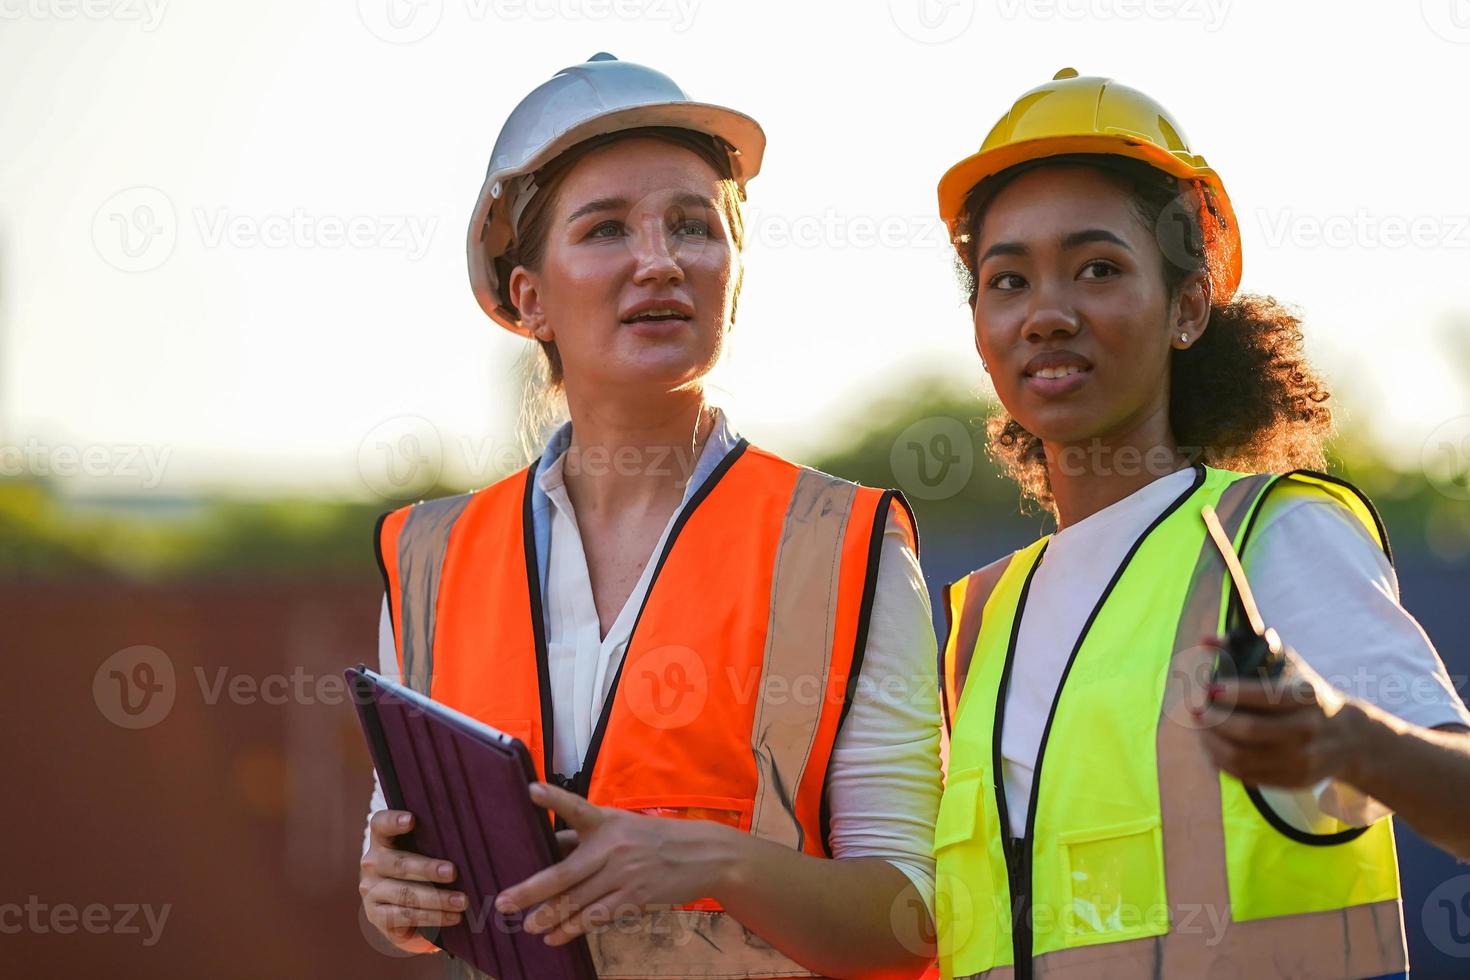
{"points": [[743, 661]]}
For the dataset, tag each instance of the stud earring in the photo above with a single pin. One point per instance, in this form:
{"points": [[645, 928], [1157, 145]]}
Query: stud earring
{"points": [[1184, 339]]}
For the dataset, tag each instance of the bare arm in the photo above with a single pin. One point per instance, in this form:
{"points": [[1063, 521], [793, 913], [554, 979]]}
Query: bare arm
{"points": [[858, 918], [1301, 730], [1422, 773], [853, 918]]}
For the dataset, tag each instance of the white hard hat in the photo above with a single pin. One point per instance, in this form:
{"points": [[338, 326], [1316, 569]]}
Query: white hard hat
{"points": [[602, 95]]}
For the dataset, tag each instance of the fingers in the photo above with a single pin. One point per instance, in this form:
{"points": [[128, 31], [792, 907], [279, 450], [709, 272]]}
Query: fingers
{"points": [[388, 824], [577, 812], [560, 877], [1279, 696], [616, 907], [1282, 730], [388, 891], [386, 862], [564, 908], [402, 917], [579, 864], [1260, 765], [385, 859]]}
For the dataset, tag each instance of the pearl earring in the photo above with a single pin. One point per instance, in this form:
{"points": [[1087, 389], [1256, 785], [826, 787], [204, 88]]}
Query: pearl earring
{"points": [[1184, 338]]}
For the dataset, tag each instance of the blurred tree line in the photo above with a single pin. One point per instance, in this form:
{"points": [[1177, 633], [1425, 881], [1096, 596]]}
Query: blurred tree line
{"points": [[42, 534]]}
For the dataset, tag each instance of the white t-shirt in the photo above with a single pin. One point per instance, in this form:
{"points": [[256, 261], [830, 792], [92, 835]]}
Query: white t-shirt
{"points": [[884, 779], [1318, 577]]}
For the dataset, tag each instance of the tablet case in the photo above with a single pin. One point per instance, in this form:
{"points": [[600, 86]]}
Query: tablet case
{"points": [[467, 786]]}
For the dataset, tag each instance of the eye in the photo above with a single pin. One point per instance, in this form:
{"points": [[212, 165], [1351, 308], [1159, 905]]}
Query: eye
{"points": [[1104, 269], [1005, 282], [693, 227], [606, 229]]}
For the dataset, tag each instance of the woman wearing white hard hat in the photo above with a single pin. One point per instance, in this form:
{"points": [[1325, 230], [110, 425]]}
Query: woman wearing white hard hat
{"points": [[1128, 794], [676, 623]]}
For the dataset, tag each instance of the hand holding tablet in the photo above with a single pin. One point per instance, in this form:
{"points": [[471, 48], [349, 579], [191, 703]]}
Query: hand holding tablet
{"points": [[467, 788]]}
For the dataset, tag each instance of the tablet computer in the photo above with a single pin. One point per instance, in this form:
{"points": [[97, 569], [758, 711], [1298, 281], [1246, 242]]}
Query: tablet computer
{"points": [[468, 787]]}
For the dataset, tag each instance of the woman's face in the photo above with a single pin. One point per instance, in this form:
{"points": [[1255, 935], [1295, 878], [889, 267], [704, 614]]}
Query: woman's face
{"points": [[637, 279], [1072, 314]]}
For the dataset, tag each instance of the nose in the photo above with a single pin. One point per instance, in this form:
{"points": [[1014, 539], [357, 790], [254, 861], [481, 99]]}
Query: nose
{"points": [[655, 254], [1050, 317]]}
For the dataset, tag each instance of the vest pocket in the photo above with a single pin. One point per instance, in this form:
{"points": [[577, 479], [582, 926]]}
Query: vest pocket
{"points": [[968, 903], [728, 810], [1112, 883], [959, 809]]}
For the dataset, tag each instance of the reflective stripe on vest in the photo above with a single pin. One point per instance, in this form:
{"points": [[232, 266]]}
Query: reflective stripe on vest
{"points": [[1140, 859], [741, 666]]}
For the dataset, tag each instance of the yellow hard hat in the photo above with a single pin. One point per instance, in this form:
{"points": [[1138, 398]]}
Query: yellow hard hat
{"points": [[1082, 114]]}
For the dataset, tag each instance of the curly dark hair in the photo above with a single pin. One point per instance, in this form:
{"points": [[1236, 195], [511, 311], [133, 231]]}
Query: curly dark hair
{"points": [[1241, 397]]}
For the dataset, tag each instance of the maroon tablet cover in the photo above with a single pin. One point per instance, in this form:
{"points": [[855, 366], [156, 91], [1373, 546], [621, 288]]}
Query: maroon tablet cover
{"points": [[467, 786]]}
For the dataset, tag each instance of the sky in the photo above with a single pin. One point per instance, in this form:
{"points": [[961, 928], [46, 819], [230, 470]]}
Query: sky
{"points": [[232, 235]]}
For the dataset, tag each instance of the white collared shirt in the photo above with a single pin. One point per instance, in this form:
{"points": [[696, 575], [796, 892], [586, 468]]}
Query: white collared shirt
{"points": [[582, 662], [883, 781], [1320, 580]]}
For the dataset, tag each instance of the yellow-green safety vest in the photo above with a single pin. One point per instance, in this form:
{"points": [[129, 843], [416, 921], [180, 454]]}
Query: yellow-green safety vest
{"points": [[1140, 859]]}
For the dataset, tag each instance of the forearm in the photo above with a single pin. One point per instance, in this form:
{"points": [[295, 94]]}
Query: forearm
{"points": [[1423, 774], [851, 918]]}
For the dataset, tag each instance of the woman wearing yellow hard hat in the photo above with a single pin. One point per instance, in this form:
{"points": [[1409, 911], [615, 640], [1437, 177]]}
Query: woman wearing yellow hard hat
{"points": [[1128, 794], [683, 629]]}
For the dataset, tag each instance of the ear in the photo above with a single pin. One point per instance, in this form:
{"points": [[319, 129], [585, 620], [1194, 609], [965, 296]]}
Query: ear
{"points": [[1189, 314], [975, 330], [525, 293]]}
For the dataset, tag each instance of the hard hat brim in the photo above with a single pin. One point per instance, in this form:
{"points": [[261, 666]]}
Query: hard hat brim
{"points": [[958, 181], [741, 132]]}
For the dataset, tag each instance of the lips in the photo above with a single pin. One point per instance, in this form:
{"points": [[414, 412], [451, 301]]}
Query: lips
{"points": [[1057, 372], [1056, 364], [658, 311]]}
